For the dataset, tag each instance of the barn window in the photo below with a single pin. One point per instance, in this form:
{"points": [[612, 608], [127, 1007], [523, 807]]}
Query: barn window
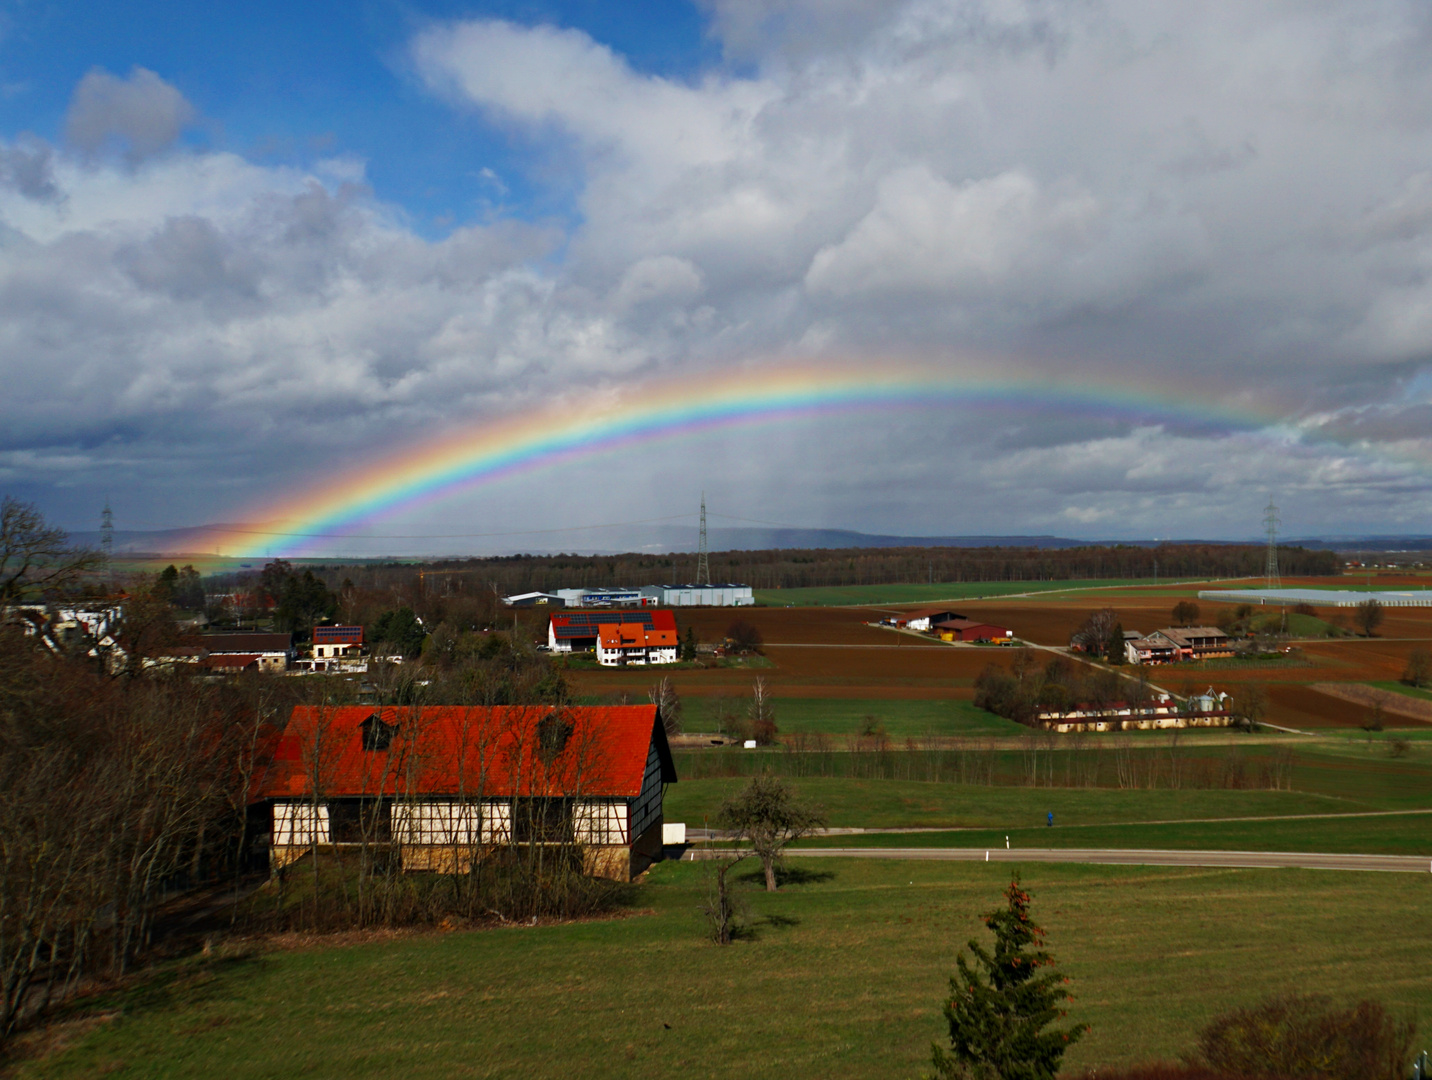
{"points": [[543, 821], [552, 735], [376, 734]]}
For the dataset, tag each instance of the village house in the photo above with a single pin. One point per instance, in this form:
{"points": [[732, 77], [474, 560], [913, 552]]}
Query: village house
{"points": [[1204, 710], [576, 631], [445, 785], [335, 642], [1174, 646], [270, 652], [1154, 649], [619, 644]]}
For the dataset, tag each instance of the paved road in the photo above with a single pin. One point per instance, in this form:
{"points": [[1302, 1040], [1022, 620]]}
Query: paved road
{"points": [[1116, 857]]}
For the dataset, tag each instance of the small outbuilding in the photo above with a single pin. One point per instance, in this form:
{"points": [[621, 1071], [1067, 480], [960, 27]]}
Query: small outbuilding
{"points": [[962, 629], [925, 618]]}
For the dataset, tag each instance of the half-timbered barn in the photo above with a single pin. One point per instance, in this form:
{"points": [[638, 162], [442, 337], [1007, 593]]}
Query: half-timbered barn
{"points": [[445, 786]]}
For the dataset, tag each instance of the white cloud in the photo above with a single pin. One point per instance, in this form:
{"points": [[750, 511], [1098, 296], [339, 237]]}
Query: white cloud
{"points": [[1223, 202], [927, 235]]}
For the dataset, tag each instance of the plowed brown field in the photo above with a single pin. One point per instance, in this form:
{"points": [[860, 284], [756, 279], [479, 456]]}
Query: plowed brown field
{"points": [[814, 625], [1303, 707], [865, 663]]}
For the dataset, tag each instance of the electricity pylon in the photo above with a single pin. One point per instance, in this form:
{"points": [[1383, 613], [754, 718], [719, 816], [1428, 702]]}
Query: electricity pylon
{"points": [[1271, 521], [703, 558]]}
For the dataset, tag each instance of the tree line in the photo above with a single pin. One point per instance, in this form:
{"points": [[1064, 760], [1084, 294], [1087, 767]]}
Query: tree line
{"points": [[805, 568]]}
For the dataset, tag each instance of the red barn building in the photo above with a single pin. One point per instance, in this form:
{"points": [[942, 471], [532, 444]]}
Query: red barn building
{"points": [[969, 630], [444, 785]]}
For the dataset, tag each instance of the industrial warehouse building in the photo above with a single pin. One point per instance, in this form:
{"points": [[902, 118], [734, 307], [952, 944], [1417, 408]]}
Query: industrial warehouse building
{"points": [[724, 595], [609, 597]]}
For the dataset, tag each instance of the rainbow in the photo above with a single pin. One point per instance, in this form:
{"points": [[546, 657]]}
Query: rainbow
{"points": [[607, 420]]}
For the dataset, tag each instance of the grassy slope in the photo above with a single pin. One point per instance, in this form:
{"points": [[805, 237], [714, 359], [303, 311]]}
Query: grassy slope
{"points": [[915, 803], [826, 596], [1334, 775], [1298, 625], [901, 719], [844, 978], [1403, 688], [1401, 835]]}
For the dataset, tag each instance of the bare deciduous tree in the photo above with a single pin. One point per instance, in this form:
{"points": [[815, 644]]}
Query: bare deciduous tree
{"points": [[1095, 632], [36, 557], [767, 814], [668, 703], [1419, 668], [1251, 705], [763, 714], [1368, 615]]}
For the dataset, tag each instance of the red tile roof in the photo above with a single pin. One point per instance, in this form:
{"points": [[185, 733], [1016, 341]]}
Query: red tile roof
{"points": [[488, 752], [247, 643], [229, 661], [968, 624], [583, 624], [634, 636]]}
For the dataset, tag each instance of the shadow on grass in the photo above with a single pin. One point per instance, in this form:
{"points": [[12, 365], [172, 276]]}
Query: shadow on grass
{"points": [[172, 985], [751, 931], [184, 983], [790, 875]]}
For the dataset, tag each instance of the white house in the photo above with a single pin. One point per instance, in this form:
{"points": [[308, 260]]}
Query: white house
{"points": [[633, 643]]}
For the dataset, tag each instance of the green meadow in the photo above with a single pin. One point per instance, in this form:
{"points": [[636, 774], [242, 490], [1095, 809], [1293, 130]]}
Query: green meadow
{"points": [[842, 974], [904, 804], [900, 719]]}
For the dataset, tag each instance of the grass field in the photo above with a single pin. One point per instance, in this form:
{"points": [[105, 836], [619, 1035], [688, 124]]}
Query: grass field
{"points": [[1402, 688], [900, 718], [1402, 834], [1297, 624], [891, 804], [844, 972], [844, 976]]}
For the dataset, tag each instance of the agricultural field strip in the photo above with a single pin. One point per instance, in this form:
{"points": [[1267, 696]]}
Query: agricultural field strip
{"points": [[1267, 860], [855, 830], [1040, 594], [1353, 640], [848, 645]]}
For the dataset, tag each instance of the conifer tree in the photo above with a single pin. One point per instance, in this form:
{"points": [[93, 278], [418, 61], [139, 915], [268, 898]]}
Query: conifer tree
{"points": [[1001, 1005]]}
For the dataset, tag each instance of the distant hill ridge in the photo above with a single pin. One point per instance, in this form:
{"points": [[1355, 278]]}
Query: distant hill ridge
{"points": [[206, 539]]}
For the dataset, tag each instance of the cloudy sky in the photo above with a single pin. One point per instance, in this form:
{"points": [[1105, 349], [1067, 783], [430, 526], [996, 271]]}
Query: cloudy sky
{"points": [[247, 248]]}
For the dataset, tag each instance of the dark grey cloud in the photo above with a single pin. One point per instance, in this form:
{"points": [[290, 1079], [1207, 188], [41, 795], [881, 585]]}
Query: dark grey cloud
{"points": [[28, 167], [142, 114]]}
